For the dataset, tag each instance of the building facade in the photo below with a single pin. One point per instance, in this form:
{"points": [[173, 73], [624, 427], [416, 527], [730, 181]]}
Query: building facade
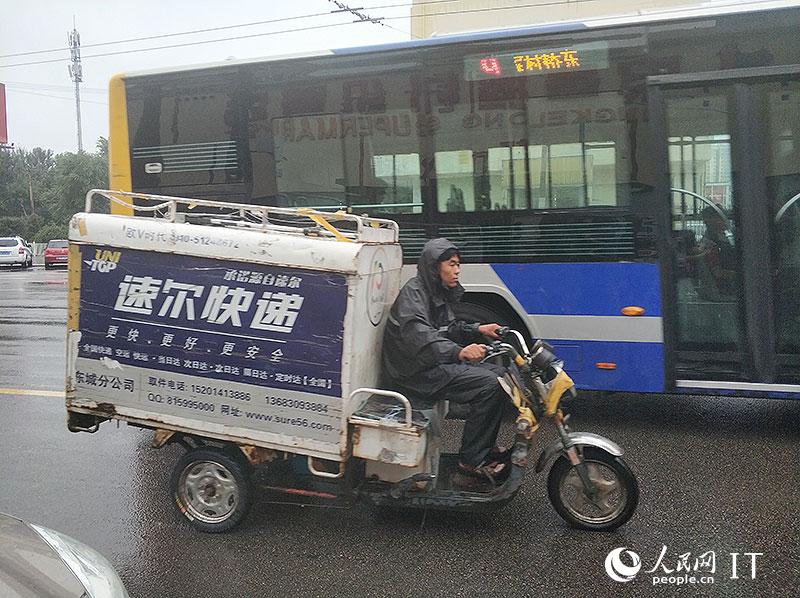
{"points": [[442, 17]]}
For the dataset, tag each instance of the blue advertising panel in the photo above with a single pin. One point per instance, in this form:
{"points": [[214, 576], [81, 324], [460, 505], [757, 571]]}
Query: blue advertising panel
{"points": [[256, 324]]}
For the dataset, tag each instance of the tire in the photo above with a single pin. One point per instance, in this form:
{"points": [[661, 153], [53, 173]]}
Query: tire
{"points": [[211, 489], [620, 493], [472, 312]]}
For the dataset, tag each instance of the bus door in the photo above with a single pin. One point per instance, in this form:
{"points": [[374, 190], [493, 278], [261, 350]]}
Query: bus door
{"points": [[730, 234]]}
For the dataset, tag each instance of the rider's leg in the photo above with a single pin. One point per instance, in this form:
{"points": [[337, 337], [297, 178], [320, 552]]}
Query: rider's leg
{"points": [[478, 387]]}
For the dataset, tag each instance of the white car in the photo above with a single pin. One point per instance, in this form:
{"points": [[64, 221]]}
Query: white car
{"points": [[15, 251], [37, 561]]}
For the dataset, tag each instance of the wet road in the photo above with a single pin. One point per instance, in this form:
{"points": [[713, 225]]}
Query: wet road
{"points": [[717, 475]]}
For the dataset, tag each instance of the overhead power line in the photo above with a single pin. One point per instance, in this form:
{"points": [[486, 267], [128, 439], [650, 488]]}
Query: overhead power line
{"points": [[19, 86], [176, 34], [296, 30], [69, 99], [301, 29], [210, 41], [228, 27], [363, 17], [264, 34]]}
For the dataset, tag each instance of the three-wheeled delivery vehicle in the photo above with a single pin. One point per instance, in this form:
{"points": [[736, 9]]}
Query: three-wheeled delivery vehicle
{"points": [[251, 336]]}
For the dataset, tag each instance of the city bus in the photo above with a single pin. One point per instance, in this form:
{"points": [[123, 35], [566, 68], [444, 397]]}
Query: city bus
{"points": [[626, 189]]}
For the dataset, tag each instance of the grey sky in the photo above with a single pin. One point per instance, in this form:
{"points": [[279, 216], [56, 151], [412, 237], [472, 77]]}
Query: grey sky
{"points": [[40, 100]]}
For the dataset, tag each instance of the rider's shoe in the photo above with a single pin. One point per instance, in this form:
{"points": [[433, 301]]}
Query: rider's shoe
{"points": [[495, 472], [499, 454]]}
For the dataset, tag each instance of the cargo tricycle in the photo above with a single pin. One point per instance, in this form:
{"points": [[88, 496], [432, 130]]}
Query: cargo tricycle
{"points": [[251, 337]]}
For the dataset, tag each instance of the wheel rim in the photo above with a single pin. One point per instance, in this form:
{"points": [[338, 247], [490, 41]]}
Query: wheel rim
{"points": [[209, 491], [611, 498]]}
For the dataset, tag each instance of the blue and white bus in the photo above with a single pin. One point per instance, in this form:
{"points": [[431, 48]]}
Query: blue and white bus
{"points": [[625, 188]]}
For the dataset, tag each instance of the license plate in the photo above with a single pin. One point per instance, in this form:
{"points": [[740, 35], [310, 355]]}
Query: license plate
{"points": [[5, 253]]}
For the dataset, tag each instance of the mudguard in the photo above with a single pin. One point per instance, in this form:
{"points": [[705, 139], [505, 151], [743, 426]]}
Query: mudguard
{"points": [[576, 439]]}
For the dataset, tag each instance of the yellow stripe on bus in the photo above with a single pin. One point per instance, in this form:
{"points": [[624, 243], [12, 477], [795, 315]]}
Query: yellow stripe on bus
{"points": [[119, 157]]}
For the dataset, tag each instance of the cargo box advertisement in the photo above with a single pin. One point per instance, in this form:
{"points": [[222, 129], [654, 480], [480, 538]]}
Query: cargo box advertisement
{"points": [[235, 343]]}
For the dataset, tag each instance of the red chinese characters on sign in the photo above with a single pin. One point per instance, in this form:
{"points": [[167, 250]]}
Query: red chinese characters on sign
{"points": [[491, 66]]}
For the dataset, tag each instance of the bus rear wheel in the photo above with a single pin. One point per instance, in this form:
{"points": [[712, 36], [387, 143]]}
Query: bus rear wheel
{"points": [[477, 312], [474, 312]]}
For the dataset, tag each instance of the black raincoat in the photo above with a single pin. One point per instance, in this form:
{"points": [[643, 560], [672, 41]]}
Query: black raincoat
{"points": [[421, 345]]}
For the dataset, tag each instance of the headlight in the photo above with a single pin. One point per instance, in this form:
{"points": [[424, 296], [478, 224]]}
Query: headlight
{"points": [[90, 567]]}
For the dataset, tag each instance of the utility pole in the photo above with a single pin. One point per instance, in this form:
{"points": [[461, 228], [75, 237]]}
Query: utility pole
{"points": [[4, 145], [76, 73]]}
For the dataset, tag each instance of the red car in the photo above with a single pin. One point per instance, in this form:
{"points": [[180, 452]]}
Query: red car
{"points": [[55, 254]]}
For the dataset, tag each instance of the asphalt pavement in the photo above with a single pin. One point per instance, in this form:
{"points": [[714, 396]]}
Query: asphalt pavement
{"points": [[717, 476]]}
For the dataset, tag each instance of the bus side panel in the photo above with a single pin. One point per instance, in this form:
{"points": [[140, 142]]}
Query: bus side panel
{"points": [[634, 367], [579, 309], [593, 289]]}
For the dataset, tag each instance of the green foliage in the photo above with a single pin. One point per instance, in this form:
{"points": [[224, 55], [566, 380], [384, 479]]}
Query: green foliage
{"points": [[51, 230], [40, 191], [24, 226]]}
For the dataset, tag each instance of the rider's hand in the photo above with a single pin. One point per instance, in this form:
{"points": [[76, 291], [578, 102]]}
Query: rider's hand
{"points": [[473, 352], [489, 330]]}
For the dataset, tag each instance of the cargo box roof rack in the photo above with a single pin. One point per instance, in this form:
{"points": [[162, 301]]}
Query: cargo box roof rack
{"points": [[306, 221]]}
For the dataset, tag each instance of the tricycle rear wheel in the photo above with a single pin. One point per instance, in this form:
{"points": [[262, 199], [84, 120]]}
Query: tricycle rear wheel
{"points": [[211, 489], [617, 491]]}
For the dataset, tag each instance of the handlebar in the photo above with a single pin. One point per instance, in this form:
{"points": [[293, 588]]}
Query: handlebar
{"points": [[504, 331], [541, 357], [496, 348]]}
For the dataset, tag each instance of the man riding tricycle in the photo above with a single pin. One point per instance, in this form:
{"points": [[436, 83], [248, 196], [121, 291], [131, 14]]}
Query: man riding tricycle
{"points": [[273, 359]]}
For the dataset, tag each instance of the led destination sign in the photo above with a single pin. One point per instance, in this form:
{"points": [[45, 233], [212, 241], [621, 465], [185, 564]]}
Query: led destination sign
{"points": [[581, 57]]}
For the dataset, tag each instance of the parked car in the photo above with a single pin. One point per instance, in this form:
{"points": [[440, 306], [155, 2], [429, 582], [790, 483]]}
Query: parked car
{"points": [[15, 251], [55, 254], [37, 561]]}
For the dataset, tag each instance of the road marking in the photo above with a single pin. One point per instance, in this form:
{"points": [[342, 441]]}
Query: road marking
{"points": [[31, 393]]}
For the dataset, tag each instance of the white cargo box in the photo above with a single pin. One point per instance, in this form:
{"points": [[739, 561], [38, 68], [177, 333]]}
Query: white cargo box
{"points": [[251, 324]]}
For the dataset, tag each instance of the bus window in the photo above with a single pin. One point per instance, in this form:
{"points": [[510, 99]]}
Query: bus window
{"points": [[583, 155], [704, 232], [401, 173], [184, 134], [507, 179], [299, 142], [783, 186], [567, 182], [454, 181]]}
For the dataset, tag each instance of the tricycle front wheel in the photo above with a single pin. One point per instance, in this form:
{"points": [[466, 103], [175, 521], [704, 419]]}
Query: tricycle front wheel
{"points": [[615, 499], [211, 489]]}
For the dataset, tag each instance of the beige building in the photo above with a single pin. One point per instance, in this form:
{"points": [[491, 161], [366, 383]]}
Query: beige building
{"points": [[439, 17]]}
